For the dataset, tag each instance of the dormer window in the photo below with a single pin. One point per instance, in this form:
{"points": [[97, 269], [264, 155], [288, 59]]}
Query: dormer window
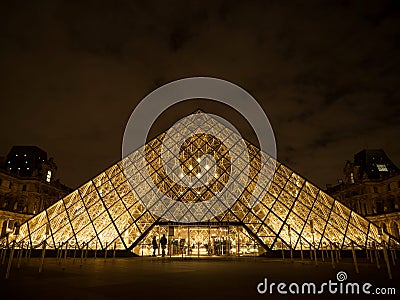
{"points": [[382, 168], [48, 176]]}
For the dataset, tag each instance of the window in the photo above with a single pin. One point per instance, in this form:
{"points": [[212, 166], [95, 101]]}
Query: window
{"points": [[398, 183], [10, 185], [375, 189], [24, 187], [352, 177], [48, 177], [388, 186], [382, 168], [1, 181]]}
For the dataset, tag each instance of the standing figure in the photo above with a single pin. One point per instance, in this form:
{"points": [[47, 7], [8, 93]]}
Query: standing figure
{"points": [[155, 245], [163, 242]]}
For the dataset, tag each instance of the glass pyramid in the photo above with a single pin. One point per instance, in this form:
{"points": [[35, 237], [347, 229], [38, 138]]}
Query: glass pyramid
{"points": [[268, 202]]}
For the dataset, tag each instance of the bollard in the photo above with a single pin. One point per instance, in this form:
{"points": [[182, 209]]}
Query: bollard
{"points": [[366, 252], [315, 255], [376, 256], [59, 253], [337, 253], [105, 253], [283, 252], [385, 255], [115, 248], [291, 253], [95, 251], [354, 257], [333, 260], [26, 253], [65, 255], [311, 257], [10, 260], [30, 252], [393, 259], [42, 258], [73, 260], [82, 252], [3, 260], [322, 252], [20, 253], [87, 250], [301, 250]]}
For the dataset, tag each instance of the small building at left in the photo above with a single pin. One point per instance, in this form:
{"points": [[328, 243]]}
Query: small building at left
{"points": [[28, 185]]}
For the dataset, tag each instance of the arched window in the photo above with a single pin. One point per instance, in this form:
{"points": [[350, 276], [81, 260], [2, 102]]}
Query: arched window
{"points": [[16, 228], [395, 229], [383, 226], [4, 228]]}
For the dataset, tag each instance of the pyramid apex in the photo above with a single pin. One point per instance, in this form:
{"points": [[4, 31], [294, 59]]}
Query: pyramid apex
{"points": [[199, 111]]}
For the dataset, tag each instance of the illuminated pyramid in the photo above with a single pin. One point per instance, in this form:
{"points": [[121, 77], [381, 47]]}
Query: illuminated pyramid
{"points": [[285, 211]]}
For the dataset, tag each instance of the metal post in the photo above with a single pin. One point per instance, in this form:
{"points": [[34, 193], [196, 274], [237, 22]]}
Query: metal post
{"points": [[59, 254], [393, 259], [371, 256], [105, 253], [354, 257], [189, 246], [301, 250], [58, 251], [4, 256], [376, 256], [82, 252], [20, 253], [73, 260], [385, 255], [10, 260], [115, 248], [26, 253], [315, 255], [322, 252], [366, 252], [283, 252], [87, 250], [42, 258], [311, 257], [30, 252], [198, 249], [65, 255], [238, 242], [95, 251], [337, 253], [333, 260]]}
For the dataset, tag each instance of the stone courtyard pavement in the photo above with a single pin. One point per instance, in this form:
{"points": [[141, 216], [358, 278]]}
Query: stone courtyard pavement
{"points": [[204, 278]]}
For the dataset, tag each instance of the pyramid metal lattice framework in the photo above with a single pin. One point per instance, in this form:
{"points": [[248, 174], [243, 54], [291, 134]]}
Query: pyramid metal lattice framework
{"points": [[292, 211]]}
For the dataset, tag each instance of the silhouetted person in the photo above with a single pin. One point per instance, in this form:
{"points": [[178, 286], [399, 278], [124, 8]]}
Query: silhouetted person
{"points": [[155, 245], [163, 242]]}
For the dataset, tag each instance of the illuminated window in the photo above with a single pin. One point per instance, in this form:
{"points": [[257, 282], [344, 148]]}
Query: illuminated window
{"points": [[382, 168], [352, 177], [48, 177]]}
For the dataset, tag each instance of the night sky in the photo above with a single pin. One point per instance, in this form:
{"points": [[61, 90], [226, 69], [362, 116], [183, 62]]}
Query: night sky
{"points": [[327, 74]]}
